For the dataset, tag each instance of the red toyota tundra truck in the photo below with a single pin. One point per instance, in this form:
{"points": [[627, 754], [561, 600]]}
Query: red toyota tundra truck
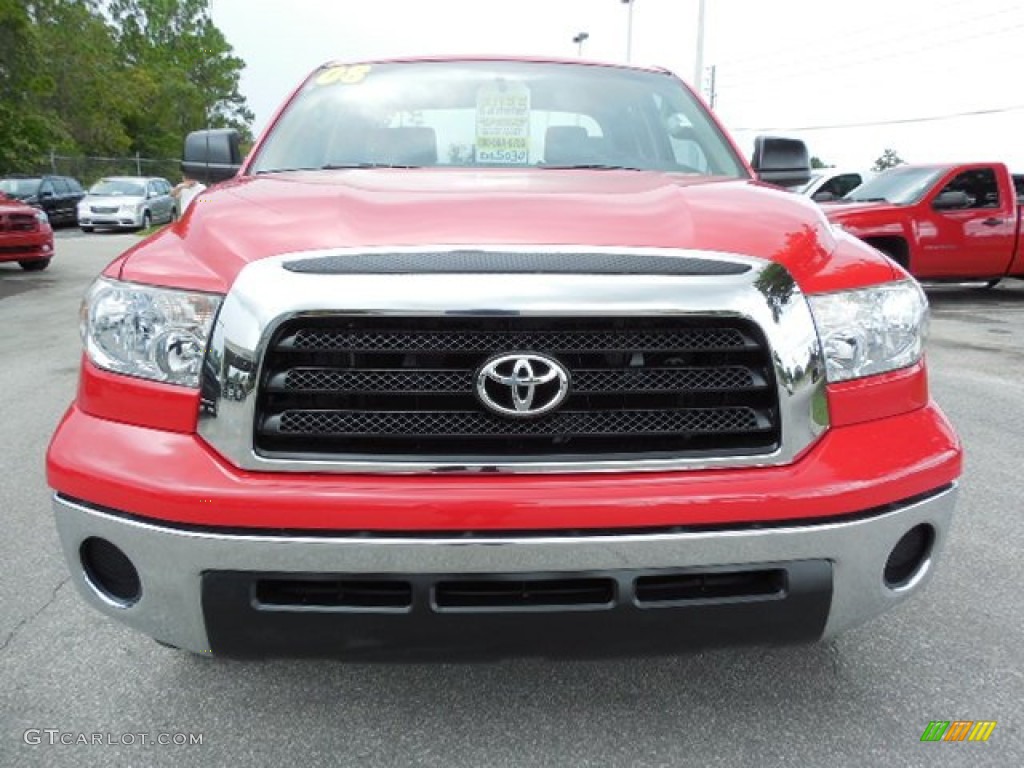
{"points": [[941, 222], [504, 357]]}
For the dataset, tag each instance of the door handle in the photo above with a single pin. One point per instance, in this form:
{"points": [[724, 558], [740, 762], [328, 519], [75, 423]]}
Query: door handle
{"points": [[992, 222]]}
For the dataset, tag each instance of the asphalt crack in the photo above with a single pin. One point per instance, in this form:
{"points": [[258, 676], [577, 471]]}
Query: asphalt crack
{"points": [[32, 617]]}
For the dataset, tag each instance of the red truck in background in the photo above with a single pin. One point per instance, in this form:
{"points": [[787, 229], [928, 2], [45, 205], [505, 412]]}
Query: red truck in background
{"points": [[25, 235], [941, 222], [499, 356]]}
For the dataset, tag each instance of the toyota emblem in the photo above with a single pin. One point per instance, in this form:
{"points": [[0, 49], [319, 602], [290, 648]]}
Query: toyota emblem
{"points": [[522, 384]]}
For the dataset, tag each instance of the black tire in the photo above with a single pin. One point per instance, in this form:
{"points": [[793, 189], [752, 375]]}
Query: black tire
{"points": [[34, 266], [87, 230], [147, 220], [990, 284]]}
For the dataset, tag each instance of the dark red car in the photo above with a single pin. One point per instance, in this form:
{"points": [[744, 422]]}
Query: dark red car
{"points": [[25, 235]]}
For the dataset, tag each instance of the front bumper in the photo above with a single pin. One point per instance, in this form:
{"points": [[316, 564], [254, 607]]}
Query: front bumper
{"points": [[206, 590], [119, 220], [30, 246]]}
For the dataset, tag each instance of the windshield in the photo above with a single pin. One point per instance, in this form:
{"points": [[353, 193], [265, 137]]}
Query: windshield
{"points": [[19, 187], [900, 186], [496, 114], [117, 188]]}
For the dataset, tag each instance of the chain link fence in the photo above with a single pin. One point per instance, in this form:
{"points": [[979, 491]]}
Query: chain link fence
{"points": [[89, 169]]}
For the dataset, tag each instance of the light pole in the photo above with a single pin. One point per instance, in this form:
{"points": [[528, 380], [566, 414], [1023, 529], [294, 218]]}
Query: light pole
{"points": [[698, 66], [579, 40], [629, 30]]}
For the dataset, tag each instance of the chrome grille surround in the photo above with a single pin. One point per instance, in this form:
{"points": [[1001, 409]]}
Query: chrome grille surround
{"points": [[266, 294]]}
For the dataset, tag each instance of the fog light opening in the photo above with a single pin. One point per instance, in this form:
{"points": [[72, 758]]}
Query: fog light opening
{"points": [[909, 557], [110, 572]]}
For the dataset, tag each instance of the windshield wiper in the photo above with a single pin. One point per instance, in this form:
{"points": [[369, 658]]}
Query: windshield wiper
{"points": [[349, 166], [335, 167], [589, 167]]}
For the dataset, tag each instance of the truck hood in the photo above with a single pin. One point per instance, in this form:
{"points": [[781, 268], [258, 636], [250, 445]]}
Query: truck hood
{"points": [[13, 205], [257, 217]]}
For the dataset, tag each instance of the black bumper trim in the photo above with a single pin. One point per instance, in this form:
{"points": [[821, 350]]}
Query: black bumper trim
{"points": [[566, 623]]}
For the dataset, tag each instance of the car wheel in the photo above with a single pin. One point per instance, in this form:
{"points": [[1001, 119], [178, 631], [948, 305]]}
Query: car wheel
{"points": [[147, 220], [34, 266], [86, 229]]}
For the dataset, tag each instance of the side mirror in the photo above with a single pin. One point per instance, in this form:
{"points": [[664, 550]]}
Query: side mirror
{"points": [[784, 162], [823, 197], [211, 156], [46, 195], [951, 200]]}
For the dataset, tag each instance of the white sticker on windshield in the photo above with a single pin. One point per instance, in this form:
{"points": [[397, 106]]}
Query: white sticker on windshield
{"points": [[503, 124]]}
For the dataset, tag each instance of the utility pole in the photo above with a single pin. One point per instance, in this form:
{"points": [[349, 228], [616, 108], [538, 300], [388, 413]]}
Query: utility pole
{"points": [[698, 66], [713, 93], [629, 31]]}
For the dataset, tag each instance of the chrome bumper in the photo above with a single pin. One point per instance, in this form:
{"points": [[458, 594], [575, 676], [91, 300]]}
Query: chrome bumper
{"points": [[171, 561]]}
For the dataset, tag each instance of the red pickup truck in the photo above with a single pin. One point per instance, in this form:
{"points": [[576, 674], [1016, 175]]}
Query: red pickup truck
{"points": [[499, 356], [941, 222]]}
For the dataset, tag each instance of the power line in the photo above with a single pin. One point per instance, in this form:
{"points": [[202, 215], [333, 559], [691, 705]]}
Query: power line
{"points": [[800, 69], [757, 61], [902, 121]]}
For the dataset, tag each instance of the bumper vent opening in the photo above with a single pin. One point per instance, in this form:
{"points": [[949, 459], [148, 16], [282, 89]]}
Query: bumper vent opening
{"points": [[684, 587], [561, 593], [909, 556], [331, 593], [110, 571]]}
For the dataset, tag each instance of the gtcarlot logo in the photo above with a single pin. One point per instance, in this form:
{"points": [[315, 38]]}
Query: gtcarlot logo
{"points": [[958, 730], [55, 736]]}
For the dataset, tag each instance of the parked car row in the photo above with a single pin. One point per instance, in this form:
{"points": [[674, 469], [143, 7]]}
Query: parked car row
{"points": [[113, 202]]}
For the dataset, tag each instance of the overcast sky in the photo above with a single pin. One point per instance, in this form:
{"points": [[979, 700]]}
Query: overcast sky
{"points": [[850, 78]]}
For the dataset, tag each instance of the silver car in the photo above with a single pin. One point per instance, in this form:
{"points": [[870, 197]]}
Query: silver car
{"points": [[127, 202]]}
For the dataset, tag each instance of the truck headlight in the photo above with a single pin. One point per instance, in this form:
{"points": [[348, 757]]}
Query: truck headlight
{"points": [[152, 333], [871, 330], [42, 218]]}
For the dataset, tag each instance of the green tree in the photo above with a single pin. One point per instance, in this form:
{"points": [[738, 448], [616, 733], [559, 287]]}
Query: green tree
{"points": [[26, 128], [90, 94], [183, 69], [890, 159], [817, 162]]}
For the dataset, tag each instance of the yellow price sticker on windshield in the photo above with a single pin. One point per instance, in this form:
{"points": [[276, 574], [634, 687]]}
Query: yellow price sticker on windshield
{"points": [[346, 75]]}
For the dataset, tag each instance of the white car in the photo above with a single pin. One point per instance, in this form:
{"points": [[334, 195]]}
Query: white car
{"points": [[828, 184], [127, 202]]}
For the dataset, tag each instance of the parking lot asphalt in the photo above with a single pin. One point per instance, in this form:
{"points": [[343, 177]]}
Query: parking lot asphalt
{"points": [[955, 652]]}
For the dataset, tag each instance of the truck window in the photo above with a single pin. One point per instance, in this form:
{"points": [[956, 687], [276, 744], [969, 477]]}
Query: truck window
{"points": [[980, 186], [842, 185]]}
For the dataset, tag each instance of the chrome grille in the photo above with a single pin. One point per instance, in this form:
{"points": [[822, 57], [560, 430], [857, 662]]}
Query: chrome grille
{"points": [[366, 387], [18, 222]]}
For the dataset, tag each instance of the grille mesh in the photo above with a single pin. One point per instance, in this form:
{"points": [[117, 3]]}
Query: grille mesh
{"points": [[457, 424], [372, 388], [475, 341]]}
